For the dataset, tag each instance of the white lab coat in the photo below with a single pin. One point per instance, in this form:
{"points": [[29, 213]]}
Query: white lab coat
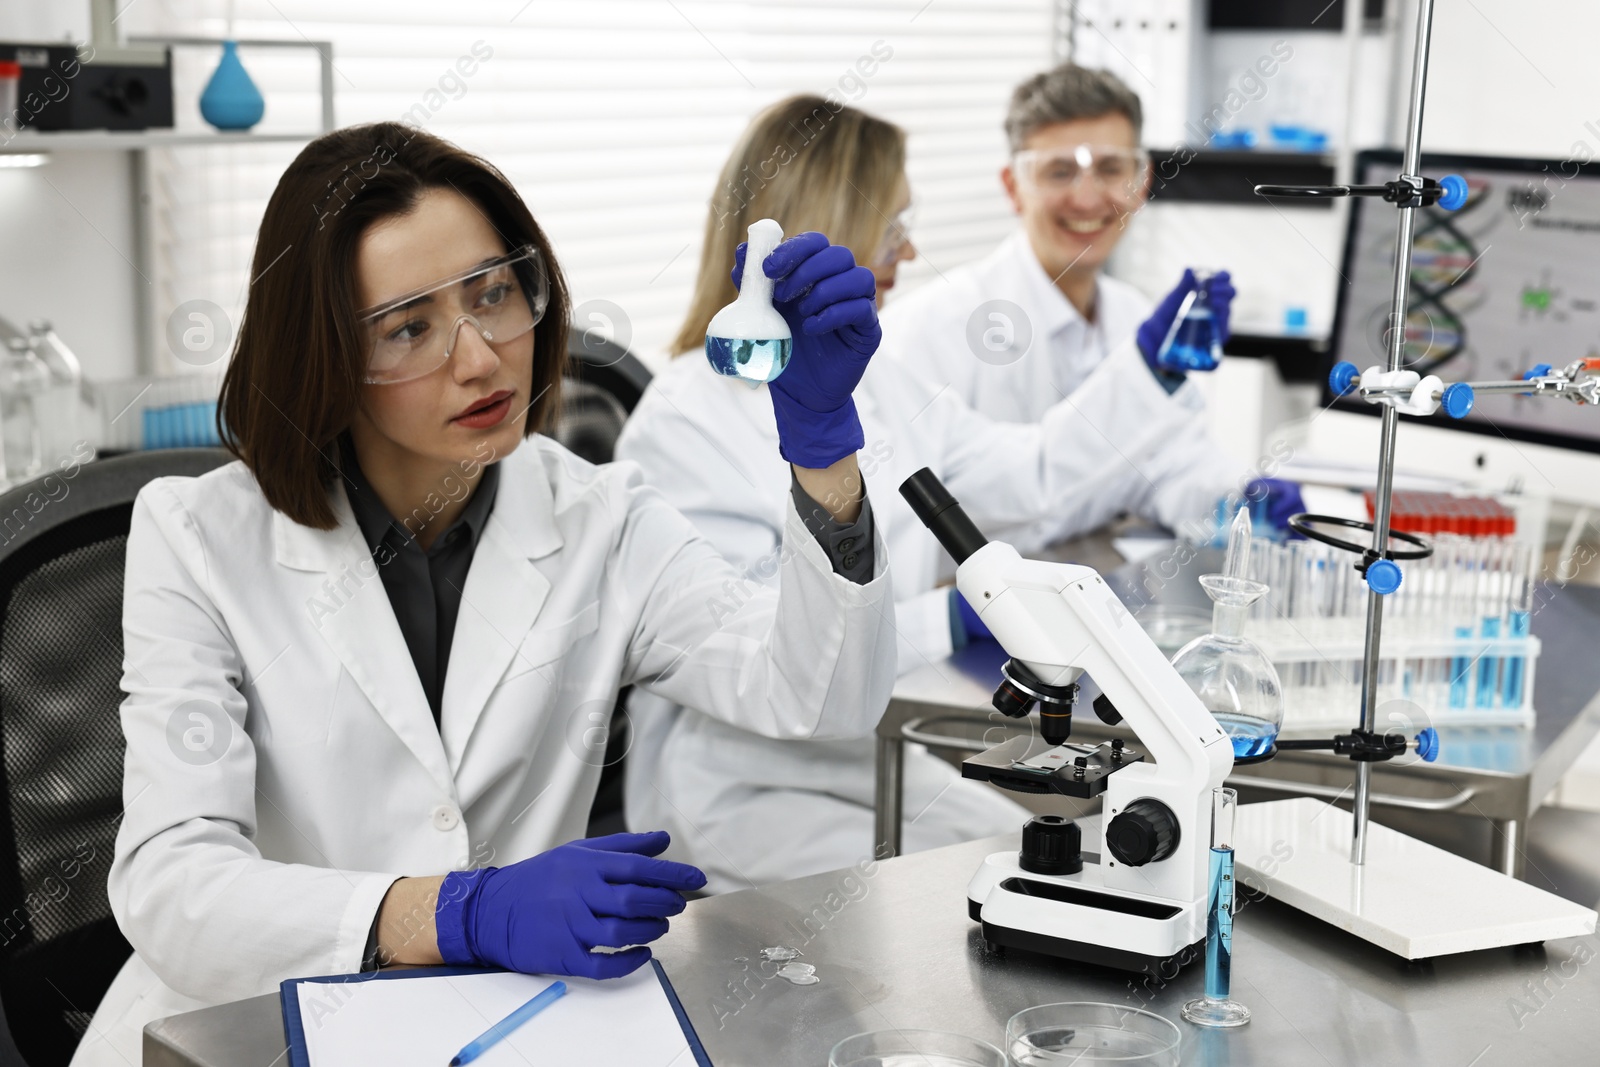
{"points": [[939, 330], [749, 810], [331, 780]]}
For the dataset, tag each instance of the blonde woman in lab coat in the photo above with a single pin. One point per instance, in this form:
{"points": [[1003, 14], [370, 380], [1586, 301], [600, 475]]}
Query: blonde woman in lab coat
{"points": [[748, 809], [308, 790]]}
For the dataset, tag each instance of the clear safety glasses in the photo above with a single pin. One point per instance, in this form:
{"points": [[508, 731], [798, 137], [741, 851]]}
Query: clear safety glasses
{"points": [[895, 238], [414, 334], [1116, 170]]}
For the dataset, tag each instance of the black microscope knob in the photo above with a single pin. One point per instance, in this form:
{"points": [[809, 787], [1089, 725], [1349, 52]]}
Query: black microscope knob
{"points": [[1051, 844], [1143, 832]]}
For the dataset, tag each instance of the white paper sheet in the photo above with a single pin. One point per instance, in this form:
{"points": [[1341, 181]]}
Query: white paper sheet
{"points": [[422, 1022]]}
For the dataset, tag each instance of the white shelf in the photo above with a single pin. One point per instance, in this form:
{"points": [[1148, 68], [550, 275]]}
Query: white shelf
{"points": [[111, 140]]}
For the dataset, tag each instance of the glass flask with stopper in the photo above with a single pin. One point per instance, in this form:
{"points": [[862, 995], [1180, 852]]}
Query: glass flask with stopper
{"points": [[748, 339], [1228, 672], [1192, 342]]}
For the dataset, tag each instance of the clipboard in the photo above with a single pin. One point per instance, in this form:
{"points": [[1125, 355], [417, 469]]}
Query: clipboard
{"points": [[294, 1025]]}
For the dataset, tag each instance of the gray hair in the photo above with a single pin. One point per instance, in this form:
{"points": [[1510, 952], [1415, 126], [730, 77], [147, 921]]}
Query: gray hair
{"points": [[1065, 93]]}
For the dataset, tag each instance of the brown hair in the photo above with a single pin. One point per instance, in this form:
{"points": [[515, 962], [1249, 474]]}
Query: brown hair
{"points": [[1067, 92], [294, 382], [811, 164]]}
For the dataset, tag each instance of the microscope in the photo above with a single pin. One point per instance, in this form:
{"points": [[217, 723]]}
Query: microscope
{"points": [[1142, 901]]}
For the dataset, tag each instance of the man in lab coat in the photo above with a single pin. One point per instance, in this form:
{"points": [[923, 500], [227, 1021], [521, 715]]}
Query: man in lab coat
{"points": [[1036, 321]]}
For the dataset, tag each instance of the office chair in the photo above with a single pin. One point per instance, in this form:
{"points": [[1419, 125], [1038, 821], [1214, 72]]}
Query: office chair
{"points": [[62, 541], [603, 383]]}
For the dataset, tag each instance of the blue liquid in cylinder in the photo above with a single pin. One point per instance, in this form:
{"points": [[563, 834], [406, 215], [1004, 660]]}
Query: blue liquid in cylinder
{"points": [[1460, 672], [1219, 925], [1194, 346], [1488, 666], [1250, 736], [752, 360]]}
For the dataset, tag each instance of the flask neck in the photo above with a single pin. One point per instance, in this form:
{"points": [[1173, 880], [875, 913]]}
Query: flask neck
{"points": [[1227, 620]]}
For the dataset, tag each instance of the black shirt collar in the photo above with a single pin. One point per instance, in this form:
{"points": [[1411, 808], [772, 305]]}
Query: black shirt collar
{"points": [[378, 526]]}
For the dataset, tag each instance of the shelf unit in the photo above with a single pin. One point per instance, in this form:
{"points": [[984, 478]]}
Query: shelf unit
{"points": [[138, 143]]}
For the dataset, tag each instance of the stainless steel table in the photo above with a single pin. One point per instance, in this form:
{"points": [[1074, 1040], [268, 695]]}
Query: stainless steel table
{"points": [[1497, 774], [894, 948]]}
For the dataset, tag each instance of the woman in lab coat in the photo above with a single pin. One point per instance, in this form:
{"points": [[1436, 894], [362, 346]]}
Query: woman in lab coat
{"points": [[302, 771], [706, 442]]}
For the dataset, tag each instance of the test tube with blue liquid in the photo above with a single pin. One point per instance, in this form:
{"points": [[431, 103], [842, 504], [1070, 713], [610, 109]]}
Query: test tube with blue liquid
{"points": [[1519, 617], [1192, 342], [1463, 593], [1217, 1008], [1493, 582], [748, 339]]}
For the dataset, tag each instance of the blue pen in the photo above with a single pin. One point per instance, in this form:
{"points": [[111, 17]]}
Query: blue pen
{"points": [[497, 1033]]}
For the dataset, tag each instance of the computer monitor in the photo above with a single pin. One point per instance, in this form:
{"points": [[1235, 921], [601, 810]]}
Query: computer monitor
{"points": [[1510, 280]]}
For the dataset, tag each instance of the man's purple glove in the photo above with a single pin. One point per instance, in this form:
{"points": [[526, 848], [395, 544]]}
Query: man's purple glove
{"points": [[545, 914], [828, 303], [1152, 333], [1273, 500]]}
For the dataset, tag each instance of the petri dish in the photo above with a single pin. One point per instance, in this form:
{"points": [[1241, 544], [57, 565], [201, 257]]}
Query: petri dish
{"points": [[914, 1048], [1087, 1032]]}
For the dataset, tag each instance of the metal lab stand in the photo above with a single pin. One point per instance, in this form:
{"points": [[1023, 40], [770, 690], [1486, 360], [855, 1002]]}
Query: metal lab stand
{"points": [[1498, 774]]}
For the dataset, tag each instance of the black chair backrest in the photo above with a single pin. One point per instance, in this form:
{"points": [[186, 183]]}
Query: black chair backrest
{"points": [[62, 543], [604, 382]]}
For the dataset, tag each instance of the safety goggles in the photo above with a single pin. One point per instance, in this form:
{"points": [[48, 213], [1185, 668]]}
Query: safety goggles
{"points": [[1116, 170], [414, 334], [895, 238]]}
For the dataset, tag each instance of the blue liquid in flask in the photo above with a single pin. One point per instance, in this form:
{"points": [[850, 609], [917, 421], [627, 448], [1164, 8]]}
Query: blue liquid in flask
{"points": [[752, 360], [1194, 345], [1250, 736], [1219, 925]]}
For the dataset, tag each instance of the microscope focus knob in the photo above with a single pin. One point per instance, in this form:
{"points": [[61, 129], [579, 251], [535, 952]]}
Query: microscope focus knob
{"points": [[1051, 845], [1143, 832]]}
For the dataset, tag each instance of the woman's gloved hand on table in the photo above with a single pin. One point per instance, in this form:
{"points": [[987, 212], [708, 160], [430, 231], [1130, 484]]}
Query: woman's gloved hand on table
{"points": [[1273, 500], [1152, 333], [545, 914], [827, 300]]}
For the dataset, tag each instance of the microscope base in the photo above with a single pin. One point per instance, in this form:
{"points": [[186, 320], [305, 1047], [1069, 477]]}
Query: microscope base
{"points": [[1075, 917], [1411, 898]]}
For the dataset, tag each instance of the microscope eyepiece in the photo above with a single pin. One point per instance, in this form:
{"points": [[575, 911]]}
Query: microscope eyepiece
{"points": [[940, 513]]}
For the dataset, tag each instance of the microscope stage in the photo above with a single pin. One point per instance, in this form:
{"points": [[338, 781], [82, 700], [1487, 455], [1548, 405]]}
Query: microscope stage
{"points": [[1032, 765]]}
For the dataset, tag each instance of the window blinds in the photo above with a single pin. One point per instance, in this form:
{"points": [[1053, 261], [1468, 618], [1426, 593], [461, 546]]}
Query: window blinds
{"points": [[612, 117]]}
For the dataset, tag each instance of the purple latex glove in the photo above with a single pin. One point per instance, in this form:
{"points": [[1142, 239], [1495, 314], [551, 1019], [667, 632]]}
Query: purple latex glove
{"points": [[1152, 332], [828, 303], [1273, 500], [545, 914], [972, 626]]}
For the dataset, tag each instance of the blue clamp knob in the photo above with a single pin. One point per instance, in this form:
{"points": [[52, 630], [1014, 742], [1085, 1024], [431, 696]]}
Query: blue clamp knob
{"points": [[1457, 399], [1452, 192], [1539, 371], [1342, 379], [1428, 744], [1383, 576]]}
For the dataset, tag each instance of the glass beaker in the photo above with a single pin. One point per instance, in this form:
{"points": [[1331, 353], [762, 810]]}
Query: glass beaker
{"points": [[1215, 1008], [1193, 342]]}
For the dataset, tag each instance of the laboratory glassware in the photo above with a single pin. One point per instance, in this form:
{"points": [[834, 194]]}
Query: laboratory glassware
{"points": [[23, 381], [1230, 673], [1086, 1032], [914, 1048], [748, 339], [1215, 1008], [1193, 342]]}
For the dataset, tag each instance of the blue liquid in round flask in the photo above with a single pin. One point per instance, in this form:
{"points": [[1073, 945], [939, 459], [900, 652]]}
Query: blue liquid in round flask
{"points": [[1192, 342], [1230, 674], [748, 339]]}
